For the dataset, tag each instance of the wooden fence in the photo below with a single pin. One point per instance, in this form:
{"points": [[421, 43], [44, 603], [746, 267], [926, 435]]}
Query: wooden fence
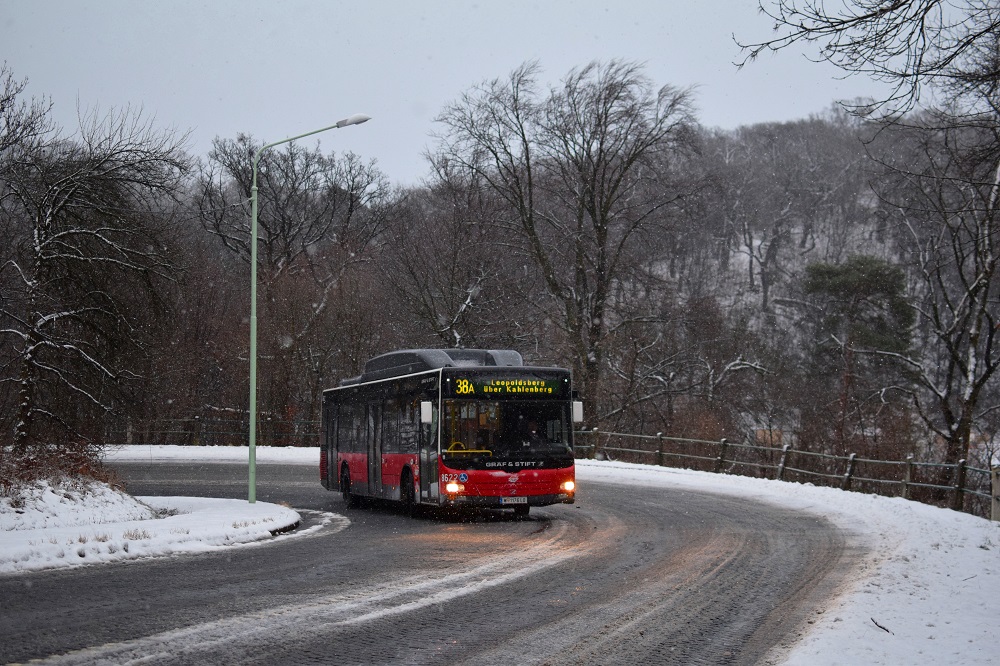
{"points": [[211, 431], [960, 486]]}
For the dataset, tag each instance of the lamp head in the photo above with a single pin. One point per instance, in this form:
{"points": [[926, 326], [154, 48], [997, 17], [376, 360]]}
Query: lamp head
{"points": [[356, 119]]}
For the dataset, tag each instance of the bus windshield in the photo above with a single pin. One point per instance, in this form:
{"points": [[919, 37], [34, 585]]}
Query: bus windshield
{"points": [[489, 434]]}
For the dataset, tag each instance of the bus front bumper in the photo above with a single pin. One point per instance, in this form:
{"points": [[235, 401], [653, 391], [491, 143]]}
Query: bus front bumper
{"points": [[493, 502]]}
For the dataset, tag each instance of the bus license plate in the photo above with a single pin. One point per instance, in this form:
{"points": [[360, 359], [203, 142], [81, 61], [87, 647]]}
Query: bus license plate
{"points": [[513, 500]]}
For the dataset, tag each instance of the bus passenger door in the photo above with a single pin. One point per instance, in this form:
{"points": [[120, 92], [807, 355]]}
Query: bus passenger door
{"points": [[331, 476], [429, 455], [374, 449]]}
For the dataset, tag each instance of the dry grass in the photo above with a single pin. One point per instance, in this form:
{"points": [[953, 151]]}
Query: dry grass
{"points": [[56, 463], [136, 535]]}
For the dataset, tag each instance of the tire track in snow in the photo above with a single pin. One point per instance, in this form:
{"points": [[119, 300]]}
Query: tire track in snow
{"points": [[402, 595]]}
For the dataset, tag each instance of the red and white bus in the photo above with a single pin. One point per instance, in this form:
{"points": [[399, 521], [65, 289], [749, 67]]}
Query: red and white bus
{"points": [[452, 427]]}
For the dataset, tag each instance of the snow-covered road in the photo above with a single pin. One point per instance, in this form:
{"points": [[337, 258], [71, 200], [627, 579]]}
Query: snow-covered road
{"points": [[928, 591]]}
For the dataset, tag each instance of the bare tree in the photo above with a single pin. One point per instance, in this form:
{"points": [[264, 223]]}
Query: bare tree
{"points": [[22, 123], [198, 355], [579, 172], [320, 217], [945, 198], [308, 202], [449, 267], [673, 361], [86, 262], [906, 43], [945, 191], [784, 194]]}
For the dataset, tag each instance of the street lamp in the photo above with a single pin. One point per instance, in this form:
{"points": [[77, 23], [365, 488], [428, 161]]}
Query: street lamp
{"points": [[356, 119]]}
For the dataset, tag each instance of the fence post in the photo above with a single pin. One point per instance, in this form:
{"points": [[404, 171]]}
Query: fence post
{"points": [[659, 449], [593, 448], [721, 460], [781, 463], [908, 476], [995, 490], [957, 498], [846, 485]]}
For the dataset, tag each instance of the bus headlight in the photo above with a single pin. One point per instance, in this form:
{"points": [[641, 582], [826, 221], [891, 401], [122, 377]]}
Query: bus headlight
{"points": [[568, 486], [453, 488]]}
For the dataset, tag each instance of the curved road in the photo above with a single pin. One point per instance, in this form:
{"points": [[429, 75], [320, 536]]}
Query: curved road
{"points": [[652, 575]]}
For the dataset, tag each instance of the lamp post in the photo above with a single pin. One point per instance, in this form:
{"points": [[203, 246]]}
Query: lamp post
{"points": [[356, 119]]}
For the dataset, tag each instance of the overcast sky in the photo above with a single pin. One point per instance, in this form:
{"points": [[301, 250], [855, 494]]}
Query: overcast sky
{"points": [[284, 67]]}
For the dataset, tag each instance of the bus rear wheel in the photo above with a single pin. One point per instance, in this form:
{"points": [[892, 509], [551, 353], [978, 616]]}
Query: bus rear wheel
{"points": [[350, 499], [406, 493]]}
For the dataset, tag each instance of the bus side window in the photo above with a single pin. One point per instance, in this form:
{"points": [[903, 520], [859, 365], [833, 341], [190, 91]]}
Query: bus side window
{"points": [[409, 426], [360, 438], [390, 427], [344, 426]]}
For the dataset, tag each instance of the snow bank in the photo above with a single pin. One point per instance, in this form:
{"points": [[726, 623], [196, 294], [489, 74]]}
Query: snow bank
{"points": [[49, 527]]}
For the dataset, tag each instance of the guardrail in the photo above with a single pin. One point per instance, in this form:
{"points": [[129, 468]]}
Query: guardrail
{"points": [[957, 486]]}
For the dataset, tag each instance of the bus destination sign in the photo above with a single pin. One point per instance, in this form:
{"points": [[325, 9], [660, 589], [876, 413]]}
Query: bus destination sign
{"points": [[507, 387]]}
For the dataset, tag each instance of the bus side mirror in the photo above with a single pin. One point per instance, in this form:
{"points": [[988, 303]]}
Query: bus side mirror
{"points": [[426, 412], [577, 411]]}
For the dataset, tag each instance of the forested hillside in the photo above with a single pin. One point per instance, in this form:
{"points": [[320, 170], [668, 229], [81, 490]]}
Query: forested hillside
{"points": [[829, 282]]}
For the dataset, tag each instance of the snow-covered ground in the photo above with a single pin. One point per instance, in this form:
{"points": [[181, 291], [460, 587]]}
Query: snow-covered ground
{"points": [[928, 591]]}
